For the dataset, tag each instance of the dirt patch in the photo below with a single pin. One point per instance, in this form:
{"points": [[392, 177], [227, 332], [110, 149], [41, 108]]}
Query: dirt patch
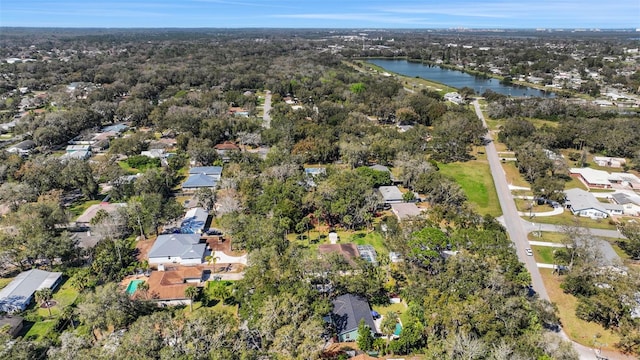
{"points": [[49, 304], [143, 247]]}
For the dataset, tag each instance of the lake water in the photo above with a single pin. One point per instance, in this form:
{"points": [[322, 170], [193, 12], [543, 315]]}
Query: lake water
{"points": [[456, 79]]}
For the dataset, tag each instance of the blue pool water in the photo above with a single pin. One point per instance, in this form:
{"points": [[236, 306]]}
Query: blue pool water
{"points": [[133, 285]]}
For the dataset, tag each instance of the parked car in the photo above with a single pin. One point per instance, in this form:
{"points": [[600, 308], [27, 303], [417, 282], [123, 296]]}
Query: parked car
{"points": [[214, 232]]}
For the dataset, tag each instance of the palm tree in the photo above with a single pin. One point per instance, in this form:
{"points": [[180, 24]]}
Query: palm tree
{"points": [[143, 288], [191, 292], [388, 325], [43, 296], [212, 260]]}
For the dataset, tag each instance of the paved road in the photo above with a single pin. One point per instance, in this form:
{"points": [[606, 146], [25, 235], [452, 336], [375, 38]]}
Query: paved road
{"points": [[515, 227], [512, 221], [266, 110]]}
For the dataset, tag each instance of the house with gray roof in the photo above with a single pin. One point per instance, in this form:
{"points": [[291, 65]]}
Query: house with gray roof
{"points": [[18, 294], [22, 148], [629, 201], [390, 194], [214, 171], [197, 181], [347, 312], [183, 249], [583, 203]]}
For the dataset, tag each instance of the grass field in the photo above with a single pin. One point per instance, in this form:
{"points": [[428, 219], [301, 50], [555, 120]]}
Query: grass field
{"points": [[477, 183], [40, 329], [399, 308], [546, 236], [80, 207], [543, 254], [4, 282], [64, 296], [578, 330], [316, 238], [567, 218], [513, 175]]}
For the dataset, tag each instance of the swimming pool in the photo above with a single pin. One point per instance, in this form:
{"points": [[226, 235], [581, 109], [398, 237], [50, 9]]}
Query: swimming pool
{"points": [[133, 285], [398, 329]]}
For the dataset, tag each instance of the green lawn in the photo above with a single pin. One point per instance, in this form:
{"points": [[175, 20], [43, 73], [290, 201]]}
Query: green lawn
{"points": [[546, 236], [399, 308], [477, 183], [80, 207], [64, 296], [128, 169], [543, 254], [567, 218], [513, 175], [4, 282], [362, 237], [40, 329]]}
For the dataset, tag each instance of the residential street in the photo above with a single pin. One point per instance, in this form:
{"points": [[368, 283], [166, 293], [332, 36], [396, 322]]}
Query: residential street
{"points": [[512, 221], [517, 232], [266, 109]]}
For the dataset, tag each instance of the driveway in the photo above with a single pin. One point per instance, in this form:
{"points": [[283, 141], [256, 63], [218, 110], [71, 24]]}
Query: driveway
{"points": [[227, 259]]}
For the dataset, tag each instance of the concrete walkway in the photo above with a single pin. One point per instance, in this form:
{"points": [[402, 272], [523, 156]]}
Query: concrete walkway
{"points": [[226, 259], [556, 211], [545, 243]]}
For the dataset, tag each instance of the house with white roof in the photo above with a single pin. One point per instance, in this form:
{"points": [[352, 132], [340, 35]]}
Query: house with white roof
{"points": [[18, 294], [592, 178], [183, 249], [583, 203], [609, 161]]}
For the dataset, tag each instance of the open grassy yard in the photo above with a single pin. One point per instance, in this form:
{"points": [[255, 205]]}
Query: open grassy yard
{"points": [[513, 175], [546, 236], [543, 254], [40, 329], [567, 218], [578, 330], [64, 296], [362, 237], [399, 308], [477, 183], [80, 207]]}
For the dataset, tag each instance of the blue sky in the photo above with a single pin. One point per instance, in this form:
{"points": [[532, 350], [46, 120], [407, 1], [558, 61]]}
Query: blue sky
{"points": [[323, 14]]}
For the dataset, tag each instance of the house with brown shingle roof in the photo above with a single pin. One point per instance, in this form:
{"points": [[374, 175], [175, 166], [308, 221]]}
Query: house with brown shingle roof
{"points": [[168, 286]]}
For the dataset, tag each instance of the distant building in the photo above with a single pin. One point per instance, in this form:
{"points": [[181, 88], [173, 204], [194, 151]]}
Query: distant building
{"points": [[609, 161]]}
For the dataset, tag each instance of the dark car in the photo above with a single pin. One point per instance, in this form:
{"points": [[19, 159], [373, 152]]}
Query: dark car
{"points": [[214, 232]]}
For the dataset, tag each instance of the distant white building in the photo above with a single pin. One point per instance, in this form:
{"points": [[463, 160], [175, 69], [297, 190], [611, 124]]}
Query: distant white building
{"points": [[609, 161], [454, 97]]}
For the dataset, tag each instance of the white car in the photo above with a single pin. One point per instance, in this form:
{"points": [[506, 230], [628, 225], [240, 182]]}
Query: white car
{"points": [[528, 251]]}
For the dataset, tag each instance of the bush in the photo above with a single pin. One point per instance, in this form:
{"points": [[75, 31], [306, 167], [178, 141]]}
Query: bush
{"points": [[142, 162]]}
